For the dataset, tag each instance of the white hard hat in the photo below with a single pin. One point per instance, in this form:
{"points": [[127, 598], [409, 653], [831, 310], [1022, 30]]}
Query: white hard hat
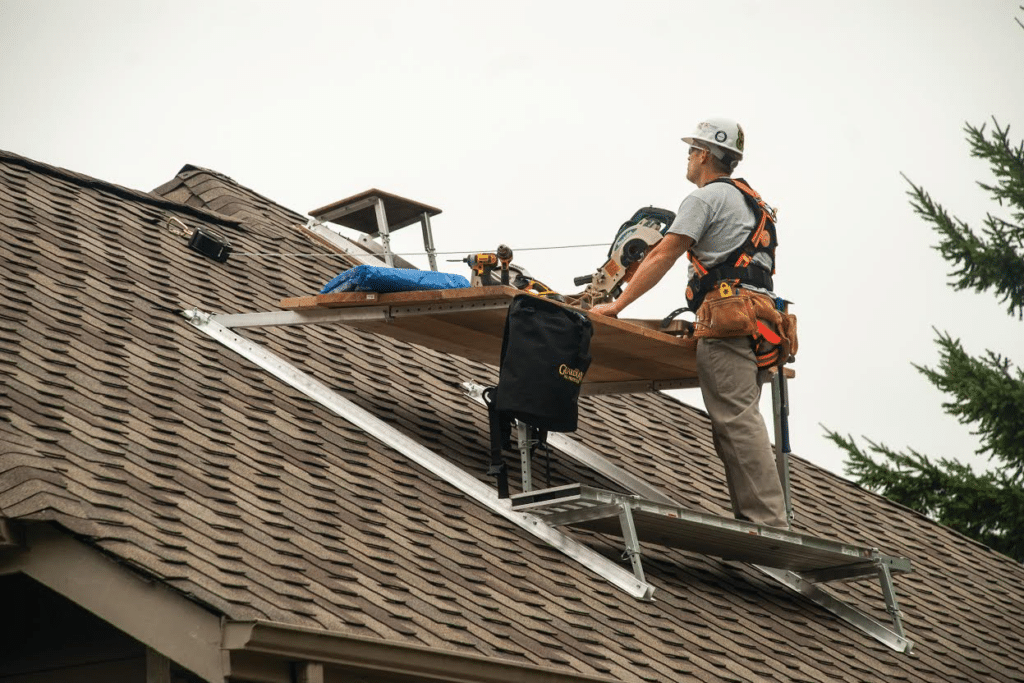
{"points": [[724, 133]]}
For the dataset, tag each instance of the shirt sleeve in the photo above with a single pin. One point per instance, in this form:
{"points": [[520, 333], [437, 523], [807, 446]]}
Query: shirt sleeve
{"points": [[692, 218]]}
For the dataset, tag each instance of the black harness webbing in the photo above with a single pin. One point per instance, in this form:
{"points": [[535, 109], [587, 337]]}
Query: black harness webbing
{"points": [[738, 265], [500, 436]]}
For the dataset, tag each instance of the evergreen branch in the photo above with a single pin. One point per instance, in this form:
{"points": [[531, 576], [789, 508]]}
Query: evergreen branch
{"points": [[1007, 163], [986, 393], [983, 507], [995, 259]]}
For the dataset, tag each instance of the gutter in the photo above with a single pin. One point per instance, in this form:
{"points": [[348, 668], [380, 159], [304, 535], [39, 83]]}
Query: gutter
{"points": [[281, 653]]}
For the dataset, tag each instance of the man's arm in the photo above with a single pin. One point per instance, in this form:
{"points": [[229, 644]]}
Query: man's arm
{"points": [[649, 273]]}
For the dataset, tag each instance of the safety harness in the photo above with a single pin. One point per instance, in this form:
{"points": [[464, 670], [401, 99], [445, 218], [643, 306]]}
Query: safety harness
{"points": [[738, 266]]}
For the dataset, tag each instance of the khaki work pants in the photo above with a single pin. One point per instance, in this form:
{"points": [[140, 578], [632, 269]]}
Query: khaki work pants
{"points": [[731, 385]]}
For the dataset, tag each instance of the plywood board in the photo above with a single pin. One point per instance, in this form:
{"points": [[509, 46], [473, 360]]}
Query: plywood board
{"points": [[470, 322]]}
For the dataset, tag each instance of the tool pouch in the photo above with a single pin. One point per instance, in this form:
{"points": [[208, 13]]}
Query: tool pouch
{"points": [[780, 322], [735, 312], [788, 332], [725, 313]]}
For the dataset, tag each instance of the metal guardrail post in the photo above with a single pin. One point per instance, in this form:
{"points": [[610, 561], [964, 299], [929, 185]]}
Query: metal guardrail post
{"points": [[428, 240], [525, 454], [385, 234], [780, 411]]}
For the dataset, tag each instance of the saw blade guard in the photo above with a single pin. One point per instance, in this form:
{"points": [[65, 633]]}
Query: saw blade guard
{"points": [[633, 241]]}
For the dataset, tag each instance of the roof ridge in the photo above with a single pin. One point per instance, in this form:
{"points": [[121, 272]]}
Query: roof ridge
{"points": [[117, 190], [191, 170]]}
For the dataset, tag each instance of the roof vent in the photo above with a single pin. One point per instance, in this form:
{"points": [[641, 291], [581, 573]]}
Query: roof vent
{"points": [[203, 240]]}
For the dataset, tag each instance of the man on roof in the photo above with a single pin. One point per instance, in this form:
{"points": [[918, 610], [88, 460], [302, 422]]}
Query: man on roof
{"points": [[728, 233]]}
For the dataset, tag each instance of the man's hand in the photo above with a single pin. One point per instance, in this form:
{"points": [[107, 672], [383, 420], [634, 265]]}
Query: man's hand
{"points": [[605, 309], [651, 270]]}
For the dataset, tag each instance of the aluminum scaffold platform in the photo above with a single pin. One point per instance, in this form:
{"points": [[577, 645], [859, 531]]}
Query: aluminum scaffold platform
{"points": [[642, 515], [646, 515], [801, 559]]}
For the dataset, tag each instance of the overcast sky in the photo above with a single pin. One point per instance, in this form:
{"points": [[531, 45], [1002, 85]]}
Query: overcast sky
{"points": [[547, 124]]}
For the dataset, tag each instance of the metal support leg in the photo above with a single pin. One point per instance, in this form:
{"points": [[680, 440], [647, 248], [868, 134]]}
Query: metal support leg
{"points": [[846, 612], [428, 240], [385, 235], [632, 542], [525, 450], [780, 410], [892, 606]]}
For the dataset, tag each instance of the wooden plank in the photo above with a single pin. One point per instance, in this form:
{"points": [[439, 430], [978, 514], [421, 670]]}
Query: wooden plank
{"points": [[458, 341], [350, 299], [675, 327], [459, 334], [650, 355], [622, 350]]}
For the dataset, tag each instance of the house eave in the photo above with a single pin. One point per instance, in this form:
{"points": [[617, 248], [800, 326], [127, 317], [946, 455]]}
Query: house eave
{"points": [[216, 649], [288, 644], [148, 611]]}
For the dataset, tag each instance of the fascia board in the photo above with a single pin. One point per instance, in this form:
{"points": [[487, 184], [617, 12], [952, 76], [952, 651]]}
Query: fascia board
{"points": [[150, 612], [296, 644]]}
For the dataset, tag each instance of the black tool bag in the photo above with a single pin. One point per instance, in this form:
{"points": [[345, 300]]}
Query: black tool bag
{"points": [[545, 352]]}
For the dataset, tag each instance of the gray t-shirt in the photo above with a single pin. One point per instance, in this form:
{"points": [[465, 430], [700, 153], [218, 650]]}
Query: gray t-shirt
{"points": [[718, 219]]}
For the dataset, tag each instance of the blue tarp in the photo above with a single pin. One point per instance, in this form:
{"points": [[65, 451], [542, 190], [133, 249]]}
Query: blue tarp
{"points": [[381, 279]]}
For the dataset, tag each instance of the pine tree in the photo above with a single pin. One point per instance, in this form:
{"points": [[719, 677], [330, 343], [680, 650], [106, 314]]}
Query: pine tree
{"points": [[986, 392]]}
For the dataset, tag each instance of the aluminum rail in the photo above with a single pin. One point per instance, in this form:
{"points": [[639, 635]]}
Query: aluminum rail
{"points": [[432, 462], [380, 313]]}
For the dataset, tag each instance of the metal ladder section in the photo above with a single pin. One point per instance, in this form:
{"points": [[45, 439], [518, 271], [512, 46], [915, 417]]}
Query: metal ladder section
{"points": [[798, 561]]}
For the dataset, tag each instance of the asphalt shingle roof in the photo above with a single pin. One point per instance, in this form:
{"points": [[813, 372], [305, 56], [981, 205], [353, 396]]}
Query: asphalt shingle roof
{"points": [[127, 426]]}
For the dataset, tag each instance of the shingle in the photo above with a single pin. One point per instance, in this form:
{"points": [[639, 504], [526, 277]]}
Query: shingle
{"points": [[124, 423]]}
